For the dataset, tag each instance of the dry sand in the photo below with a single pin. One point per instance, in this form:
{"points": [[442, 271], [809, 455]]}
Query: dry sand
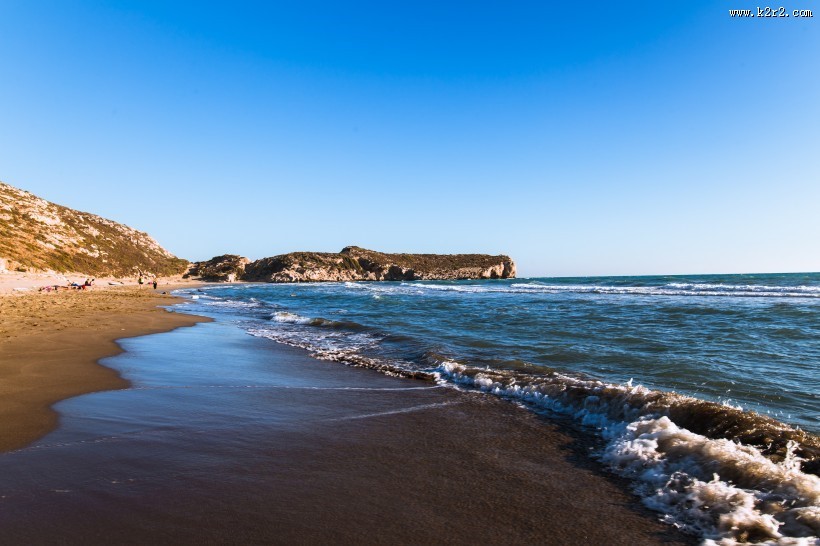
{"points": [[14, 282], [50, 344]]}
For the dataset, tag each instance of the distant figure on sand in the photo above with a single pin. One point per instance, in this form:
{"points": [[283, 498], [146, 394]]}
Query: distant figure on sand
{"points": [[155, 283], [140, 281]]}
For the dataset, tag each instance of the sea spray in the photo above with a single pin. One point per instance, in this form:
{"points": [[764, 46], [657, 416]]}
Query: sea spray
{"points": [[716, 488]]}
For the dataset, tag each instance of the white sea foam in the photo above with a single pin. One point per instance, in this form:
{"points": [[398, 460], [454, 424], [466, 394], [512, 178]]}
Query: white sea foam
{"points": [[677, 290], [332, 344], [718, 489], [324, 343], [289, 318], [723, 491], [745, 288], [748, 495], [671, 289], [234, 304]]}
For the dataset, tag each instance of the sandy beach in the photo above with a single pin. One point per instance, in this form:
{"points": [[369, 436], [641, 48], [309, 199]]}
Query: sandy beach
{"points": [[333, 453], [226, 438], [50, 344]]}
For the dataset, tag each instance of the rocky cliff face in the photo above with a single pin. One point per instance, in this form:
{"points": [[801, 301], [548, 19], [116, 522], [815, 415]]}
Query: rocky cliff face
{"points": [[359, 264], [38, 235], [225, 268]]}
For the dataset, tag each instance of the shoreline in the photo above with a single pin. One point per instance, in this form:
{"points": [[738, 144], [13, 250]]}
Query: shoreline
{"points": [[51, 345], [280, 447], [265, 420]]}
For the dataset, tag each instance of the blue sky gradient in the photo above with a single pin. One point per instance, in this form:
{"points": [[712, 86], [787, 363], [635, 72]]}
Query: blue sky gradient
{"points": [[603, 138]]}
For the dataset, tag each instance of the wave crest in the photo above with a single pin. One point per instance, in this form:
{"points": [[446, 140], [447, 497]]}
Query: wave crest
{"points": [[721, 487]]}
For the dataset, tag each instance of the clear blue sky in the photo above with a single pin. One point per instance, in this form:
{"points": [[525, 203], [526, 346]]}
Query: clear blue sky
{"points": [[580, 138]]}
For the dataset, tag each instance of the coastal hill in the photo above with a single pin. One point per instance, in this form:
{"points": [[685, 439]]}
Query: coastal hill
{"points": [[225, 268], [355, 264], [36, 234]]}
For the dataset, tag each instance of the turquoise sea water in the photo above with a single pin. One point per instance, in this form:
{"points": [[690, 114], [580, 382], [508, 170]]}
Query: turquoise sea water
{"points": [[705, 390]]}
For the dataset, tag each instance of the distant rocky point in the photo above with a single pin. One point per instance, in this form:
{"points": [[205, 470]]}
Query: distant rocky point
{"points": [[37, 235], [225, 268], [354, 264]]}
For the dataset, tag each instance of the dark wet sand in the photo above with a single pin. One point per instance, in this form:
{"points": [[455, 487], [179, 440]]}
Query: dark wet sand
{"points": [[216, 443]]}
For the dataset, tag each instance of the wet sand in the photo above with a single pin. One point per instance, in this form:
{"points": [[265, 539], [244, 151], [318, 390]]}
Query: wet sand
{"points": [[50, 344], [225, 438]]}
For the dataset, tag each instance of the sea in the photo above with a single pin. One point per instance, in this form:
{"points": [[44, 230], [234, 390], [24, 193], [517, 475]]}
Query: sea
{"points": [[703, 391]]}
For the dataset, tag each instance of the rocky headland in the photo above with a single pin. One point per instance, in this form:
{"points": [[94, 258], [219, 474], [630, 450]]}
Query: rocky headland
{"points": [[225, 268], [37, 236], [355, 264]]}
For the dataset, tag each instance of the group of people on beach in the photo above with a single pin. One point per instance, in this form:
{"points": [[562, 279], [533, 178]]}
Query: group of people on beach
{"points": [[143, 280], [88, 283], [70, 286]]}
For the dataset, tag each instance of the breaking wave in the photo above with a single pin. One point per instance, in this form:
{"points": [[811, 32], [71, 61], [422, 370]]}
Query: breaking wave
{"points": [[289, 318], [712, 469], [670, 289]]}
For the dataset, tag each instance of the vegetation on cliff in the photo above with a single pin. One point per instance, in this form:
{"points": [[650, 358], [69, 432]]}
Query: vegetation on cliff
{"points": [[36, 234], [359, 264], [422, 263]]}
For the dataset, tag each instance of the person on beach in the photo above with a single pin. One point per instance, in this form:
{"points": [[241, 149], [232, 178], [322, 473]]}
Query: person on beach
{"points": [[155, 283], [140, 281]]}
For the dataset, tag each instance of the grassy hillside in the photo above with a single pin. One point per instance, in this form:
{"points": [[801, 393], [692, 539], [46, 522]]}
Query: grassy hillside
{"points": [[40, 235]]}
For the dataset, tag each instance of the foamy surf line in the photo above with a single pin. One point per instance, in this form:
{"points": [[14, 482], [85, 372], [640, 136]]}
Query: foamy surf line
{"points": [[671, 289], [720, 489], [737, 478], [715, 471]]}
